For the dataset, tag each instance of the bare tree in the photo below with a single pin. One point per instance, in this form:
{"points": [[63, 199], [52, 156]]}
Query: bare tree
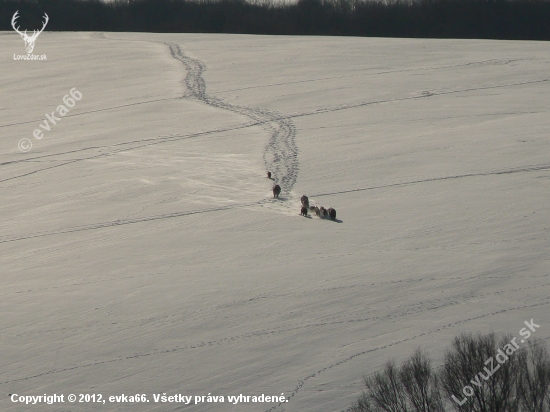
{"points": [[534, 378], [363, 404], [385, 390], [420, 383], [478, 376], [413, 387]]}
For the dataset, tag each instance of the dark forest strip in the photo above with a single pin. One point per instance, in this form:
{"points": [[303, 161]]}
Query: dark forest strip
{"points": [[488, 19]]}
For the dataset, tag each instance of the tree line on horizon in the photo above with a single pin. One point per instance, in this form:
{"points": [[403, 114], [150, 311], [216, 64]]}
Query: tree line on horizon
{"points": [[467, 19]]}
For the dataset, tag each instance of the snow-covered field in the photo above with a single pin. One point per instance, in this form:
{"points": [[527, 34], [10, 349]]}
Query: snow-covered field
{"points": [[141, 250]]}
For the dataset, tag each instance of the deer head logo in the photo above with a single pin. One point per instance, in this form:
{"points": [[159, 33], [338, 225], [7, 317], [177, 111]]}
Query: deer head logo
{"points": [[29, 40]]}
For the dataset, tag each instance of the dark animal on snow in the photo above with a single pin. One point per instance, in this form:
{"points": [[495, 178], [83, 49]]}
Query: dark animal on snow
{"points": [[276, 190], [305, 201], [332, 213], [317, 211], [269, 175], [304, 211], [312, 209], [323, 213]]}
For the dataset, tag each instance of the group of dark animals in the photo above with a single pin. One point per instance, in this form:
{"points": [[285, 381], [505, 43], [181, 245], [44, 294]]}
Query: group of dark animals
{"points": [[319, 211]]}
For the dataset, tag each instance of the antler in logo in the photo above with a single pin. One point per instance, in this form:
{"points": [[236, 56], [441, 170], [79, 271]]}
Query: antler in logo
{"points": [[29, 40]]}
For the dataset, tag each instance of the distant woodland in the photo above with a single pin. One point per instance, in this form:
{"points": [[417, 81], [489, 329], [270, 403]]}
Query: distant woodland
{"points": [[479, 19]]}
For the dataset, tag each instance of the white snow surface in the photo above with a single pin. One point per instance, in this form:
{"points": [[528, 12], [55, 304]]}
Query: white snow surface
{"points": [[141, 250]]}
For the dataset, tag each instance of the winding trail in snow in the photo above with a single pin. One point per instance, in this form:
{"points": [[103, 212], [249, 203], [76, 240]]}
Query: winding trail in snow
{"points": [[281, 154]]}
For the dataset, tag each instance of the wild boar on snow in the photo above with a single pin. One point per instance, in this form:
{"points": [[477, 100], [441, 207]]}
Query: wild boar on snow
{"points": [[276, 191]]}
